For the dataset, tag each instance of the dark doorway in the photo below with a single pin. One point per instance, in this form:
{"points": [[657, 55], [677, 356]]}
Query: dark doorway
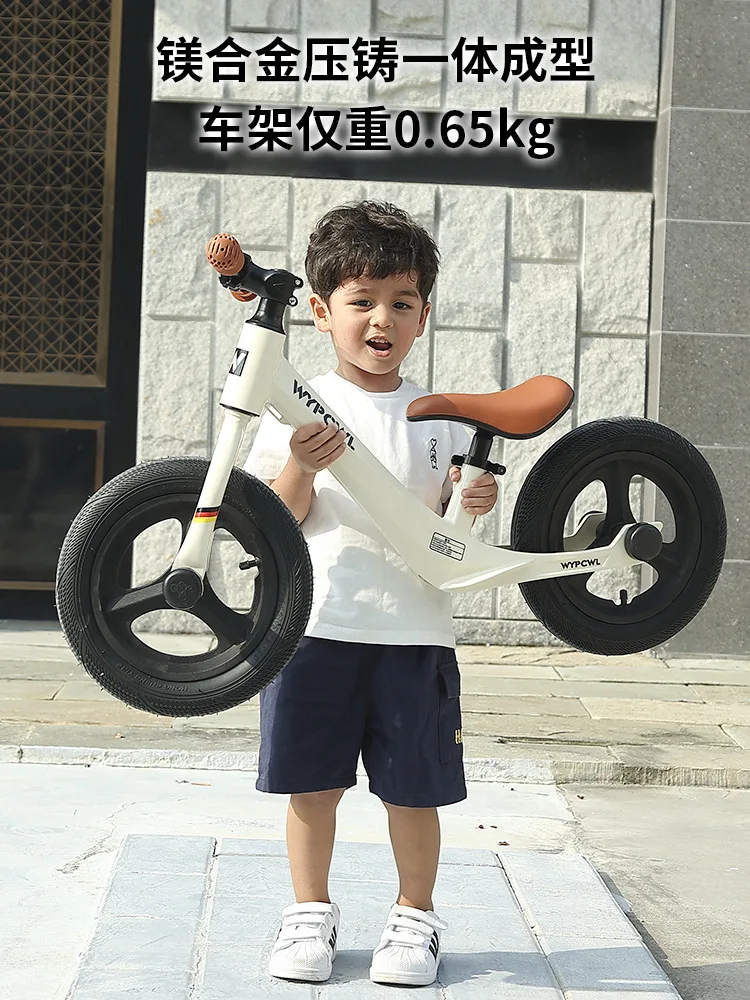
{"points": [[75, 80]]}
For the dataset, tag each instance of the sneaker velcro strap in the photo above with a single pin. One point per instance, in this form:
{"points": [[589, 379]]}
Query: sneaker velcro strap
{"points": [[409, 930], [420, 916], [298, 932], [394, 935], [303, 920]]}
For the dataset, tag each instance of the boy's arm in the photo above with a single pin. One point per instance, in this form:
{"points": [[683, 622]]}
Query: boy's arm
{"points": [[295, 488]]}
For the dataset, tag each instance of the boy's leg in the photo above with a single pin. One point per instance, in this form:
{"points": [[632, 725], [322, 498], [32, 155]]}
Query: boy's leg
{"points": [[310, 831], [312, 717], [415, 838]]}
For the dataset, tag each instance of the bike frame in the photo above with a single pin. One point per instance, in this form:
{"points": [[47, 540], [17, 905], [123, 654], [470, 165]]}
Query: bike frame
{"points": [[439, 549]]}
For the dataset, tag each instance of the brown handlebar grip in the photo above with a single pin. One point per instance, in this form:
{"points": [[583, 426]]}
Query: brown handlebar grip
{"points": [[225, 254], [244, 296]]}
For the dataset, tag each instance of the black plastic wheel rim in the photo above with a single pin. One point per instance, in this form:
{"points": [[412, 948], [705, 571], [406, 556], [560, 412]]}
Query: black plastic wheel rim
{"points": [[116, 605], [674, 564]]}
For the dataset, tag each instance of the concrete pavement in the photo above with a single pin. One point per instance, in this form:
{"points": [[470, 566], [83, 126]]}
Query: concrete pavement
{"points": [[529, 713], [676, 856], [673, 857]]}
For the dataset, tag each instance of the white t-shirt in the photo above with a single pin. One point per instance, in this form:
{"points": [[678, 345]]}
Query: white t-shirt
{"points": [[363, 591]]}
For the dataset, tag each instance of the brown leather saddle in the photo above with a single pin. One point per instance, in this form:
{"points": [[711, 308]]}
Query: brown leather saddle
{"points": [[523, 411]]}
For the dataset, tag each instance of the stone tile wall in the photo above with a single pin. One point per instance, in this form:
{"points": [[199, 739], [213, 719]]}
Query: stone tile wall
{"points": [[532, 282], [625, 32], [700, 339]]}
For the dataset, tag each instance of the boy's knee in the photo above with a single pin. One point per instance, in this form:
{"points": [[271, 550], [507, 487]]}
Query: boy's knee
{"points": [[408, 809], [322, 800]]}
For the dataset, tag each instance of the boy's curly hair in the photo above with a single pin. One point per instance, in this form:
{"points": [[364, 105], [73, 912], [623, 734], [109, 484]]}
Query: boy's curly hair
{"points": [[369, 239]]}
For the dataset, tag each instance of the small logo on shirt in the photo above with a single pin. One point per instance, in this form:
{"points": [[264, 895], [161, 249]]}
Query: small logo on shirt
{"points": [[459, 737], [433, 453]]}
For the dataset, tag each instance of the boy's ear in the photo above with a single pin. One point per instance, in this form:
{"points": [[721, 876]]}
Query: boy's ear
{"points": [[423, 318], [321, 315]]}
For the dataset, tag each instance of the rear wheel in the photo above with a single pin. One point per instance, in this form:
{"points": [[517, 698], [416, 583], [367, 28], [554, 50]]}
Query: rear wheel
{"points": [[101, 603], [616, 453]]}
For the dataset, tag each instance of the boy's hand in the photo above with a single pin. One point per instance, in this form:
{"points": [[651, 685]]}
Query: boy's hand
{"points": [[315, 446], [480, 496]]}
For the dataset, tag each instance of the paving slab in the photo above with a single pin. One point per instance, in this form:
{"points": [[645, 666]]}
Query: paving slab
{"points": [[717, 662], [678, 855], [605, 671], [709, 759], [661, 711], [548, 656], [740, 734], [722, 693], [487, 747], [522, 925], [243, 716], [14, 733], [40, 633], [18, 650], [33, 669], [500, 669], [39, 690], [111, 712], [602, 732], [25, 634], [120, 737], [490, 704], [592, 950], [82, 690], [472, 684]]}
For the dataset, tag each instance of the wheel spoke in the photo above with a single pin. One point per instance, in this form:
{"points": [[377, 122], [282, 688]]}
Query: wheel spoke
{"points": [[616, 478], [139, 601], [224, 622], [668, 561]]}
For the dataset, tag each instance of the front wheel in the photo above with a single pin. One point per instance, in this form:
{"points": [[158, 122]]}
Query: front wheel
{"points": [[617, 455], [98, 603]]}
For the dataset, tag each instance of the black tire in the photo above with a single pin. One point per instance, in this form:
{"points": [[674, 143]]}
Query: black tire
{"points": [[613, 451], [97, 607]]}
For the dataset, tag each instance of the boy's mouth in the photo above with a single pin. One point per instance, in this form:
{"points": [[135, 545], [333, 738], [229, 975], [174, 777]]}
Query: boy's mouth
{"points": [[380, 347]]}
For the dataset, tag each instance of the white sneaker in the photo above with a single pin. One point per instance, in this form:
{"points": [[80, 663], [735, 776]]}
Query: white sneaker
{"points": [[409, 949], [306, 944]]}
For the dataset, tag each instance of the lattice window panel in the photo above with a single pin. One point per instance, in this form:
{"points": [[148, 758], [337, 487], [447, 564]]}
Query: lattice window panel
{"points": [[53, 94]]}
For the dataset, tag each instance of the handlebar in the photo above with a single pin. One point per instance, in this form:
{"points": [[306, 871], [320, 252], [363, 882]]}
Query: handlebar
{"points": [[244, 279]]}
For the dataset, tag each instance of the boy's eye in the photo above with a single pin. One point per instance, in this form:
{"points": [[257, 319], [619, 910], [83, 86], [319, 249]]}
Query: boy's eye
{"points": [[366, 302]]}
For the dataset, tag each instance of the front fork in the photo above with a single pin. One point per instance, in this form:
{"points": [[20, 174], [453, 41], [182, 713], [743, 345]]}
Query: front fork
{"points": [[183, 586]]}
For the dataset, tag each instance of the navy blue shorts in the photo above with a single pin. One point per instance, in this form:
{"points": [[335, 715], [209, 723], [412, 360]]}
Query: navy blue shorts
{"points": [[397, 705]]}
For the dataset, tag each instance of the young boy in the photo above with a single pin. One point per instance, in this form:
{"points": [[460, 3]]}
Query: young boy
{"points": [[376, 670]]}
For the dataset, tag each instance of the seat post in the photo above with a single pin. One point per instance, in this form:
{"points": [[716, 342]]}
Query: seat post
{"points": [[479, 449]]}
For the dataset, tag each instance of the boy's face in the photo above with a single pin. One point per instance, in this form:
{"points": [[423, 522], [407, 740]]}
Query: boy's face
{"points": [[364, 309]]}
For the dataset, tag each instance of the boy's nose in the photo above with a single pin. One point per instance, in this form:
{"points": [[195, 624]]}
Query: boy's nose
{"points": [[380, 319]]}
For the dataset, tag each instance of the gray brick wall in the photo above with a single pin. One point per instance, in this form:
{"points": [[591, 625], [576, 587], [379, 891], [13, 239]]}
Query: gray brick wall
{"points": [[533, 281], [626, 39], [700, 339]]}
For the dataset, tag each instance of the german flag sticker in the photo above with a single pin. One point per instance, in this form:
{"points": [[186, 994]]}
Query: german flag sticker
{"points": [[206, 514]]}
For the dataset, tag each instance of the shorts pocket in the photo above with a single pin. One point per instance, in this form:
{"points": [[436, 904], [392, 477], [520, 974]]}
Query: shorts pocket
{"points": [[450, 734]]}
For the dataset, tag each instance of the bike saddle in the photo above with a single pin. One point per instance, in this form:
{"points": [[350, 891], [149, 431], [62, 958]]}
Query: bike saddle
{"points": [[524, 411]]}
